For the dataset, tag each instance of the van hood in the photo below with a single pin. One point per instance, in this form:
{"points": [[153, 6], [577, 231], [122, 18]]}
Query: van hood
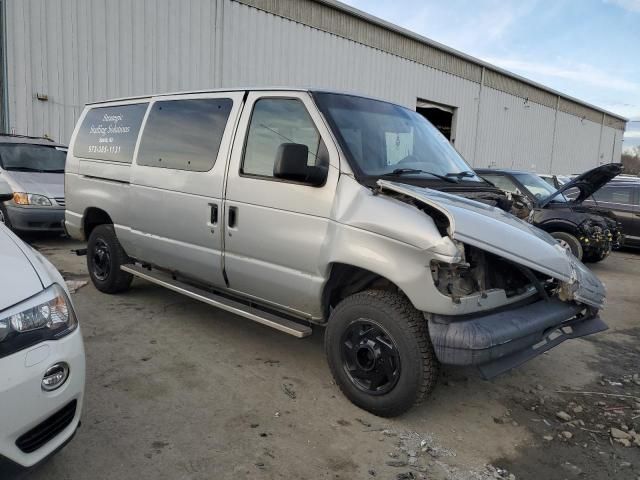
{"points": [[51, 185], [494, 230], [19, 280], [587, 183]]}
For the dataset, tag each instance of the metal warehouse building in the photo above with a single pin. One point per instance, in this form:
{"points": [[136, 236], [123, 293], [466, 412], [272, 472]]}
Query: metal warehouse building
{"points": [[59, 54]]}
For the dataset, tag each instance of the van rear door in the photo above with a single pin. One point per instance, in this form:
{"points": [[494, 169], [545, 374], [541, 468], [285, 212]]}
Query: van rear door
{"points": [[178, 179]]}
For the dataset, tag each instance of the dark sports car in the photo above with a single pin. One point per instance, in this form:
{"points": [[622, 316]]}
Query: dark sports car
{"points": [[588, 231]]}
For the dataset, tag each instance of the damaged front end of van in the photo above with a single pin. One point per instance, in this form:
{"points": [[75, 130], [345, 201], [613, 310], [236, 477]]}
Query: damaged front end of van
{"points": [[513, 292]]}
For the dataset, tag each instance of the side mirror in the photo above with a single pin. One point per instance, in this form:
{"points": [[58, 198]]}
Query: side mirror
{"points": [[6, 192], [291, 164]]}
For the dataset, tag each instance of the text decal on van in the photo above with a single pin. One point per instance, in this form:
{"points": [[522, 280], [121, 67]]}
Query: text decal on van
{"points": [[110, 133]]}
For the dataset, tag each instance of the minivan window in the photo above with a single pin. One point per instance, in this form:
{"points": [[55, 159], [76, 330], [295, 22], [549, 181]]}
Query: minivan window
{"points": [[184, 134], [32, 158], [276, 121], [110, 133], [380, 138]]}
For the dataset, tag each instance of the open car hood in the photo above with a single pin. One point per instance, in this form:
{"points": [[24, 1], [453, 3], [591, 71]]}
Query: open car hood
{"points": [[493, 230], [587, 183]]}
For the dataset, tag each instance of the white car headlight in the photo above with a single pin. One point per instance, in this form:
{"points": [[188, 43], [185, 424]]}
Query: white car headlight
{"points": [[48, 315]]}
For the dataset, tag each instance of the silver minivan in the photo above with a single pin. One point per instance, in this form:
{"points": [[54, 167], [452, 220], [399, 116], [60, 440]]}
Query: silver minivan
{"points": [[34, 168], [296, 208]]}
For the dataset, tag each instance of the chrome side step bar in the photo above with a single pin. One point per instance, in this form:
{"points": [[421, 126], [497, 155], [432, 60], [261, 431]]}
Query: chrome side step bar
{"points": [[266, 318]]}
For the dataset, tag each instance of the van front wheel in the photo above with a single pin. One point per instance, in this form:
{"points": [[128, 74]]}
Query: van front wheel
{"points": [[105, 255], [380, 353]]}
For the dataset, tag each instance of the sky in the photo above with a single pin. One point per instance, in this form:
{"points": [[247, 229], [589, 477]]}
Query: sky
{"points": [[588, 49]]}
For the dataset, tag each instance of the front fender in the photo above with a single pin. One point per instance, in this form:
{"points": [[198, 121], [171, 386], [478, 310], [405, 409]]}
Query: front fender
{"points": [[406, 266]]}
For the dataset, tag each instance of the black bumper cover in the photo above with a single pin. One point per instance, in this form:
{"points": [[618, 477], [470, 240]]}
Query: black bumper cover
{"points": [[500, 341]]}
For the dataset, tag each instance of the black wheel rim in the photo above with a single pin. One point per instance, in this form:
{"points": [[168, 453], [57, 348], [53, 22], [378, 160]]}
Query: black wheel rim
{"points": [[101, 260], [370, 357]]}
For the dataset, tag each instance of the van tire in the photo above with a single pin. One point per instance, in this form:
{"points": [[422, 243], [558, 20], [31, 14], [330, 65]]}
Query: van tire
{"points": [[105, 255], [412, 361], [569, 241]]}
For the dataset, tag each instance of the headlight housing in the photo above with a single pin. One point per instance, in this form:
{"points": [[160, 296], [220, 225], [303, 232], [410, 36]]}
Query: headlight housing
{"points": [[21, 198], [48, 315]]}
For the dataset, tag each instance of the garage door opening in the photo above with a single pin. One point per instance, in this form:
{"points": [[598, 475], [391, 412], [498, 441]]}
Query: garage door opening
{"points": [[441, 116]]}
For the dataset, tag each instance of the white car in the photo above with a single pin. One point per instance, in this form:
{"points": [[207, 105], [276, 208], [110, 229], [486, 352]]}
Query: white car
{"points": [[42, 362]]}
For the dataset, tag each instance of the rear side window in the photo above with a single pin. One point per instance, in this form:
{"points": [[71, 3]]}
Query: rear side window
{"points": [[110, 133], [615, 194], [184, 134]]}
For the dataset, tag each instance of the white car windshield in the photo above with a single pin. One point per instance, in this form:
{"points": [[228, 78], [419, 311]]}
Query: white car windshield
{"points": [[381, 139]]}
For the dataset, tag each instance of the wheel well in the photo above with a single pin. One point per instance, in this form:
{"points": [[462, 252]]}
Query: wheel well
{"points": [[559, 227], [92, 218], [346, 280]]}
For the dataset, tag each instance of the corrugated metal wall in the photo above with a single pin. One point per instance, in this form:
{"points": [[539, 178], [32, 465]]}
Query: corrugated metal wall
{"points": [[514, 133], [77, 51]]}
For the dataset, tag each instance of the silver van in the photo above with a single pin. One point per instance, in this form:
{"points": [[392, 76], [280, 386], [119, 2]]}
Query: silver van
{"points": [[34, 169], [296, 208]]}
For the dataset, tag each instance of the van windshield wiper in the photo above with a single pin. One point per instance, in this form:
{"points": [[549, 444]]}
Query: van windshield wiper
{"points": [[461, 175], [403, 171]]}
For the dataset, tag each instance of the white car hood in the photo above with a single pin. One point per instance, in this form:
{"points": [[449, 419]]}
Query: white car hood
{"points": [[19, 279], [495, 231]]}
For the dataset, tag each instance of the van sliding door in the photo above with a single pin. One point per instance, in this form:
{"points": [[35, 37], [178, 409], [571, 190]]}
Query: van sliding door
{"points": [[178, 180]]}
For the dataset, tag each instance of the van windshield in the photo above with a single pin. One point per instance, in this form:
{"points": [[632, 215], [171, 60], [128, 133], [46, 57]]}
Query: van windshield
{"points": [[383, 139], [32, 158]]}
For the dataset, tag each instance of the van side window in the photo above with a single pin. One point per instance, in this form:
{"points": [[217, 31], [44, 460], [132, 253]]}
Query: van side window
{"points": [[184, 134], [110, 133], [276, 121]]}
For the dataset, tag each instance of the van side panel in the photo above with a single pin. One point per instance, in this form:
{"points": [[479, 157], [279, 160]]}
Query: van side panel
{"points": [[102, 183]]}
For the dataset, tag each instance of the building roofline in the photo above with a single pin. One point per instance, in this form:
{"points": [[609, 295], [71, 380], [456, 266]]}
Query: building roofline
{"points": [[432, 43]]}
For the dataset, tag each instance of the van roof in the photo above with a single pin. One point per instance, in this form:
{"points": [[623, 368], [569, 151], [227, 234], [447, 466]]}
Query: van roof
{"points": [[244, 89]]}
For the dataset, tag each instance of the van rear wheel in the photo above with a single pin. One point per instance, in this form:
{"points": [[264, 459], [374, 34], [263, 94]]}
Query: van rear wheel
{"points": [[380, 353], [105, 255]]}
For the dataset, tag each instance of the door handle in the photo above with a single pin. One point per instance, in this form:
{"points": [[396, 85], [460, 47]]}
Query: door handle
{"points": [[213, 219], [233, 217]]}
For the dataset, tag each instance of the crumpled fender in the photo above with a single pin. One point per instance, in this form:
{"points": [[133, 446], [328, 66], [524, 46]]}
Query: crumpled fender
{"points": [[502, 234], [493, 230]]}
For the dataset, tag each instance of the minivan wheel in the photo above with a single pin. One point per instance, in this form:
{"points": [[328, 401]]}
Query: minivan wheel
{"points": [[569, 242], [379, 352], [105, 255]]}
